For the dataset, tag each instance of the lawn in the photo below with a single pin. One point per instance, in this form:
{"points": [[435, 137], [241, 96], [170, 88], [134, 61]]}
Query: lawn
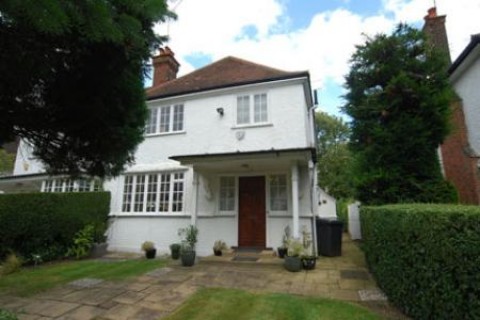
{"points": [[32, 280], [238, 305]]}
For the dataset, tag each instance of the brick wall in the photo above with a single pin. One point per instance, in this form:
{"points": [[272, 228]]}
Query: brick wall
{"points": [[460, 168]]}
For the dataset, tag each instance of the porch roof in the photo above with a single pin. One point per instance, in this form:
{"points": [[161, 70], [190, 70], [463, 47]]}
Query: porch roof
{"points": [[242, 155], [247, 161]]}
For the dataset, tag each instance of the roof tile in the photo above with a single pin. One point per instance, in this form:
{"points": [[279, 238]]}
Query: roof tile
{"points": [[229, 71]]}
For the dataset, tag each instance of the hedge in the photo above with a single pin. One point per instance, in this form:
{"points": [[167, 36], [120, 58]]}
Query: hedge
{"points": [[45, 223], [426, 258]]}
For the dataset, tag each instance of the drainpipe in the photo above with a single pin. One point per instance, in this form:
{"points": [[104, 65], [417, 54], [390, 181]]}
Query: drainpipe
{"points": [[196, 183], [295, 206], [313, 203]]}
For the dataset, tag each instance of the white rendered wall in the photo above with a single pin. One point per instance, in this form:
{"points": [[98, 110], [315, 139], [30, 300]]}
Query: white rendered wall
{"points": [[24, 162], [467, 87], [208, 132]]}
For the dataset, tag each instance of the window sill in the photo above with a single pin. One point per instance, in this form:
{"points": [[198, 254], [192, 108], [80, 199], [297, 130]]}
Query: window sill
{"points": [[252, 125], [149, 214], [164, 134]]}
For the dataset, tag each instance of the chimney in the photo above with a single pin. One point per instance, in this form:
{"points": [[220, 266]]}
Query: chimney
{"points": [[436, 32], [165, 67]]}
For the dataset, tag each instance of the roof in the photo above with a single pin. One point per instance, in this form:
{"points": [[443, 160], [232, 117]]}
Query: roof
{"points": [[227, 72], [474, 41]]}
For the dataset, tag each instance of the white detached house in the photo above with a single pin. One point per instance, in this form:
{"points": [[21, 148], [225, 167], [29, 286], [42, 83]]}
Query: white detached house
{"points": [[229, 148]]}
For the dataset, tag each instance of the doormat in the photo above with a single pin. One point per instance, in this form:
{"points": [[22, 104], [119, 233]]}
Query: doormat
{"points": [[244, 258], [248, 250]]}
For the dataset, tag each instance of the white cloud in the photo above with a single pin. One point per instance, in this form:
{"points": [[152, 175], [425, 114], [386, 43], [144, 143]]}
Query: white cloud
{"points": [[218, 28]]}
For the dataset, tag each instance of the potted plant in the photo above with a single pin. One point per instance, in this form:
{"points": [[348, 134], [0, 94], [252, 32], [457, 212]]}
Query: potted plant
{"points": [[293, 262], [149, 248], [99, 246], [309, 259], [218, 246], [187, 254], [282, 250], [187, 250], [175, 250]]}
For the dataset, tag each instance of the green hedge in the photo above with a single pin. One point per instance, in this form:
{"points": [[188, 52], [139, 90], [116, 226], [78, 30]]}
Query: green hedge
{"points": [[426, 258], [45, 223]]}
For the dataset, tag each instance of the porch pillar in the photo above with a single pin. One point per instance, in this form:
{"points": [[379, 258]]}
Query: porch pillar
{"points": [[193, 217], [295, 208]]}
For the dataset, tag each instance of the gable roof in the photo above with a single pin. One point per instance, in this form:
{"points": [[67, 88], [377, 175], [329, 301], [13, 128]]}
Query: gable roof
{"points": [[474, 41], [227, 72]]}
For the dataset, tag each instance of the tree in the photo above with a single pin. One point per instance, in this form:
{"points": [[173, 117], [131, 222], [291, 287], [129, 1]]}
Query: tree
{"points": [[72, 79], [398, 97], [334, 157]]}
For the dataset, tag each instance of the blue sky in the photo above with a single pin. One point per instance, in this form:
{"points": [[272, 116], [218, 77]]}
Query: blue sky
{"points": [[314, 35]]}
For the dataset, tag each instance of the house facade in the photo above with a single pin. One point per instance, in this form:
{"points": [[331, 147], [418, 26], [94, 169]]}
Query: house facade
{"points": [[229, 148], [460, 152]]}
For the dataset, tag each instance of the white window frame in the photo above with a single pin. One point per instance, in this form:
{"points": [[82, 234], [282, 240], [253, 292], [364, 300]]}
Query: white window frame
{"points": [[251, 110], [68, 185], [174, 122], [171, 178], [235, 194], [269, 192]]}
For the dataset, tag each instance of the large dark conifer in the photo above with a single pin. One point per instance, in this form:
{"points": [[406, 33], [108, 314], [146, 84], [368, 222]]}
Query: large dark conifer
{"points": [[398, 97], [71, 79]]}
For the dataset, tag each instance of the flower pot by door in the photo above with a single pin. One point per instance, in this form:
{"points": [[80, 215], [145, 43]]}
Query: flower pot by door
{"points": [[187, 258], [293, 264], [309, 263], [150, 254]]}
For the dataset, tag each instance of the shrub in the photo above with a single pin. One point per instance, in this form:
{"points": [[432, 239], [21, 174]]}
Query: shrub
{"points": [[82, 242], [7, 315], [45, 223], [342, 212], [426, 258], [12, 264]]}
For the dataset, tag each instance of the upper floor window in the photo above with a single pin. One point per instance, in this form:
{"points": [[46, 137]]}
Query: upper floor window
{"points": [[153, 192], [165, 119], [252, 109]]}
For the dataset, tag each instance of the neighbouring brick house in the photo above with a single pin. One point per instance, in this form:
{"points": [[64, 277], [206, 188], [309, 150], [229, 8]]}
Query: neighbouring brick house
{"points": [[460, 152]]}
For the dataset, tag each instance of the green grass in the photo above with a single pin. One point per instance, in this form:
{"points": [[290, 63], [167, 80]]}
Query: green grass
{"points": [[33, 280], [238, 305]]}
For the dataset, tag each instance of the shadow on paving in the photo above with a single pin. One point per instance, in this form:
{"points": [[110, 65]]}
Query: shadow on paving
{"points": [[156, 294]]}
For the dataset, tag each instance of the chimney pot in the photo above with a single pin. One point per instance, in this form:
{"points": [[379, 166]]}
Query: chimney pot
{"points": [[432, 12], [165, 67]]}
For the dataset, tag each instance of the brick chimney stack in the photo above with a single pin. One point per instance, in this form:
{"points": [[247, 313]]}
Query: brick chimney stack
{"points": [[165, 66], [436, 32]]}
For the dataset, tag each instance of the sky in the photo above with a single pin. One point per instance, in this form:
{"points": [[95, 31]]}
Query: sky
{"points": [[295, 35]]}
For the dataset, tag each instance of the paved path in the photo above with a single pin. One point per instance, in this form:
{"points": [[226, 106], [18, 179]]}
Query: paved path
{"points": [[157, 293]]}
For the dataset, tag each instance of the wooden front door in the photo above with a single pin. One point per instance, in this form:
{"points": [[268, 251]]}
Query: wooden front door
{"points": [[251, 212]]}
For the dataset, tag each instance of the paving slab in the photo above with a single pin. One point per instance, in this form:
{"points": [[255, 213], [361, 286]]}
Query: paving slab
{"points": [[372, 295], [85, 283], [49, 308], [83, 313]]}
